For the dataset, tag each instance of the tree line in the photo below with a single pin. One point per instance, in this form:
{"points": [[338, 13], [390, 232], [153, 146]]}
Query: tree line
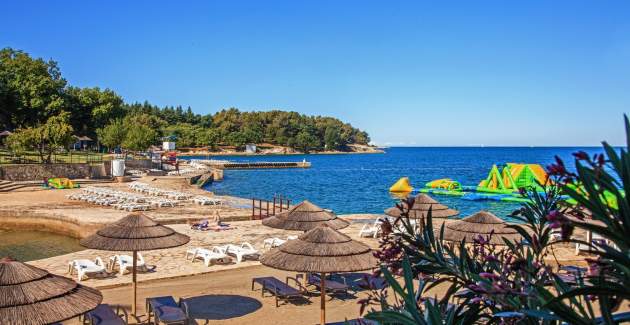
{"points": [[44, 112]]}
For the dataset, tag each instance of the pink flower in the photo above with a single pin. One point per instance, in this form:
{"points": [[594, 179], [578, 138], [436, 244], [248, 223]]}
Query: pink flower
{"points": [[580, 155]]}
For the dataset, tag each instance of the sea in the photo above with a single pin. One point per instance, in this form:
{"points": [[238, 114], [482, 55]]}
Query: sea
{"points": [[359, 183]]}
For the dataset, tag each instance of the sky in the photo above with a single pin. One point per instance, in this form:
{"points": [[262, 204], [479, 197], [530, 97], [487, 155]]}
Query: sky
{"points": [[416, 73]]}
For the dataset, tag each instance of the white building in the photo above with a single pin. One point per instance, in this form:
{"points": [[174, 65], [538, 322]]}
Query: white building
{"points": [[250, 148], [168, 145]]}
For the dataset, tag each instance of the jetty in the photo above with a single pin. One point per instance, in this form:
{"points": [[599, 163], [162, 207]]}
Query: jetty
{"points": [[223, 164]]}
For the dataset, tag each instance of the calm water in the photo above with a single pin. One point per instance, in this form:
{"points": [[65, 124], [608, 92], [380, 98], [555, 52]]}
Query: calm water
{"points": [[359, 183], [33, 245]]}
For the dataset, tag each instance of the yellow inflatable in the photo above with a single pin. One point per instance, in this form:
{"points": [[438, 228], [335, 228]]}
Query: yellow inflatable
{"points": [[61, 183], [401, 186]]}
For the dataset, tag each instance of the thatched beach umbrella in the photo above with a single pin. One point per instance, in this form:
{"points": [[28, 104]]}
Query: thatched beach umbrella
{"points": [[421, 206], [135, 232], [321, 250], [304, 217], [481, 223], [30, 295]]}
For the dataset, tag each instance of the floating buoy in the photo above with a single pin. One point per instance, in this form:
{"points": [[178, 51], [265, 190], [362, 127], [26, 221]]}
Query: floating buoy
{"points": [[401, 186]]}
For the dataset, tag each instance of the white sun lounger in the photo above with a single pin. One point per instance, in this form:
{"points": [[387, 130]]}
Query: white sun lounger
{"points": [[243, 251], [371, 230], [84, 267], [273, 242], [125, 262], [207, 255], [202, 200]]}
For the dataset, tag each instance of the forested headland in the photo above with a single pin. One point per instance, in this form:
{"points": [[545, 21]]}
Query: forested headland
{"points": [[45, 113]]}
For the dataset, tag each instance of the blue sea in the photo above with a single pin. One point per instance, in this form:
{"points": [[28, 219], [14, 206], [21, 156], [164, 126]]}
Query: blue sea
{"points": [[359, 183]]}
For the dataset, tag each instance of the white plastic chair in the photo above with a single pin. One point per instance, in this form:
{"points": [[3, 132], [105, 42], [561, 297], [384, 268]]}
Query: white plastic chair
{"points": [[125, 262], [85, 267], [208, 255], [371, 230]]}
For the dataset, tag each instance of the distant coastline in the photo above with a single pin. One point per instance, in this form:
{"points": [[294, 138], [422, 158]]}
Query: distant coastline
{"points": [[283, 151]]}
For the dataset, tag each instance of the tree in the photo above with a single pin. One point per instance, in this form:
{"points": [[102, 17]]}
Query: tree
{"points": [[306, 141], [31, 90], [46, 138], [332, 138], [92, 108], [113, 134], [139, 137], [208, 137]]}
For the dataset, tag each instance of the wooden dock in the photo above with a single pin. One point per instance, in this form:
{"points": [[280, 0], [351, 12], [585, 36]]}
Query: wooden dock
{"points": [[254, 165]]}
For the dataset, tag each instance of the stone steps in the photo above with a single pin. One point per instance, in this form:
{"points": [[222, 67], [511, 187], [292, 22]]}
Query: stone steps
{"points": [[8, 186]]}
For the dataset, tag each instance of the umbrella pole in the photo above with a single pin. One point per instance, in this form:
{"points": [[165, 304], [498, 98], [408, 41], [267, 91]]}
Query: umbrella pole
{"points": [[133, 282], [323, 299]]}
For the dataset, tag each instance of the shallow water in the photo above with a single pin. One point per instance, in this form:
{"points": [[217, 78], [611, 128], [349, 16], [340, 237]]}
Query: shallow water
{"points": [[359, 183], [33, 245]]}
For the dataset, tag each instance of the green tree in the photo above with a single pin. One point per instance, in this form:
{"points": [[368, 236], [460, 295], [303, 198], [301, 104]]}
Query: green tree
{"points": [[306, 141], [113, 134], [56, 133], [139, 138], [207, 137], [332, 138], [30, 89], [92, 108]]}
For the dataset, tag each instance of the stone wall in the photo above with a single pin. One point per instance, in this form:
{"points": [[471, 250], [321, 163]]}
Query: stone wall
{"points": [[36, 172]]}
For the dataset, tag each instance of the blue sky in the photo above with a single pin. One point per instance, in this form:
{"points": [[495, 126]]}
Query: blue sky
{"points": [[412, 73]]}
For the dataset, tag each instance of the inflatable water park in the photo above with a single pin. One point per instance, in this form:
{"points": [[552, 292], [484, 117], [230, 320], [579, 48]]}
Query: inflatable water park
{"points": [[501, 184], [60, 183]]}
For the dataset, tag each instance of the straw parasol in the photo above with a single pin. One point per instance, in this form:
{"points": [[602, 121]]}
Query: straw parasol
{"points": [[321, 250], [30, 295], [422, 204], [135, 232], [481, 223], [304, 217]]}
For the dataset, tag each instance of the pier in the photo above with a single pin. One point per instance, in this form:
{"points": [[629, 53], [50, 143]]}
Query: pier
{"points": [[222, 164]]}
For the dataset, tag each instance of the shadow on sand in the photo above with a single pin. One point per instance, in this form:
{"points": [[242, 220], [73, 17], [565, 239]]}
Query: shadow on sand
{"points": [[218, 307]]}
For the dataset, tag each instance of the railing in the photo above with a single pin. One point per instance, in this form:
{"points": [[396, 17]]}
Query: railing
{"points": [[262, 209], [71, 157]]}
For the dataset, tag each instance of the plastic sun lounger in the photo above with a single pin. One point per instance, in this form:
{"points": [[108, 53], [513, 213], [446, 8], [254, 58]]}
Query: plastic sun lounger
{"points": [[245, 250], [85, 267], [332, 287], [357, 321], [165, 310], [104, 314], [125, 262], [208, 255], [281, 290], [273, 242], [371, 230]]}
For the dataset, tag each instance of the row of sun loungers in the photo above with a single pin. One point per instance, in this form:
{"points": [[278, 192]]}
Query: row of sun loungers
{"points": [[118, 201], [223, 253], [154, 191], [176, 195], [293, 287], [85, 268]]}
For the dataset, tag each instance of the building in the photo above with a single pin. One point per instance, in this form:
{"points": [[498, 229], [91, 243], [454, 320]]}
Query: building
{"points": [[250, 148], [168, 143]]}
